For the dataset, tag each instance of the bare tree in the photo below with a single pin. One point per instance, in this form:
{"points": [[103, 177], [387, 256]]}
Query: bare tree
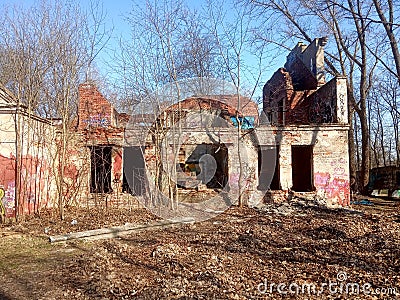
{"points": [[168, 45], [49, 48], [359, 47], [390, 27], [233, 39], [385, 93]]}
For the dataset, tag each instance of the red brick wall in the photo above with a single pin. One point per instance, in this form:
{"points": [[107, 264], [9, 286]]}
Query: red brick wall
{"points": [[247, 107], [226, 103], [296, 102], [297, 110], [97, 117], [94, 110]]}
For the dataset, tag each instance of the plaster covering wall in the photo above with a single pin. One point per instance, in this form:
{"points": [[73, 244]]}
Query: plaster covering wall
{"points": [[330, 159], [31, 159], [315, 114]]}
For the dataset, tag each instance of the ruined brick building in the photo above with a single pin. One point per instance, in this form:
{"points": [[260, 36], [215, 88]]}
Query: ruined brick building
{"points": [[309, 119], [298, 144]]}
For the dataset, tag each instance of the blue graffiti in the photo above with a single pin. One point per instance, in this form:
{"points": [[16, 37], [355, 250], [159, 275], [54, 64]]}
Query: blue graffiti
{"points": [[97, 121]]}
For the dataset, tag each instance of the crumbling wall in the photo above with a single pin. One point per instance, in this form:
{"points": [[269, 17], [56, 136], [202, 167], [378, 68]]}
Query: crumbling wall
{"points": [[297, 94], [205, 122], [276, 93], [194, 138], [330, 159], [27, 151], [308, 59], [99, 126], [283, 103], [329, 103], [94, 110], [223, 105], [302, 77]]}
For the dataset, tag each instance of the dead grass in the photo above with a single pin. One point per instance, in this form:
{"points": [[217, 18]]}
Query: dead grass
{"points": [[227, 257]]}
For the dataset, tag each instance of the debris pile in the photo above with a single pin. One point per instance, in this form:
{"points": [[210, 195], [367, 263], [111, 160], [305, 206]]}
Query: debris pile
{"points": [[241, 254]]}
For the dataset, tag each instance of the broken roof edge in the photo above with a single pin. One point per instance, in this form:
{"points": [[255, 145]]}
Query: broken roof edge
{"points": [[217, 101], [11, 105], [320, 41], [91, 85], [7, 95], [307, 59]]}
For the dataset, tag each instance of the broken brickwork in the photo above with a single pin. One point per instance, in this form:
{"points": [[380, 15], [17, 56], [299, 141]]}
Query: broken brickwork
{"points": [[305, 132], [309, 119], [100, 135], [206, 126], [298, 145]]}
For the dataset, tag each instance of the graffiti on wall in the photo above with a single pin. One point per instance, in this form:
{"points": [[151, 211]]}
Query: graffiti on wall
{"points": [[34, 173], [7, 180], [321, 179], [247, 177], [333, 187], [8, 200], [342, 109], [234, 180], [396, 194], [338, 169], [98, 120]]}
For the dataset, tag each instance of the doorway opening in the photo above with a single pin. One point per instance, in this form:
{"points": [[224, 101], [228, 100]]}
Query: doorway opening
{"points": [[100, 169], [268, 168], [134, 171], [302, 168]]}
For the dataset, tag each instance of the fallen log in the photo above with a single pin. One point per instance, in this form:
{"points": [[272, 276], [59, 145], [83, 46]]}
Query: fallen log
{"points": [[112, 232]]}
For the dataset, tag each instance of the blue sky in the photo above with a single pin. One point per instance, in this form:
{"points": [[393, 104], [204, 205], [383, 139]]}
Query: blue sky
{"points": [[116, 11]]}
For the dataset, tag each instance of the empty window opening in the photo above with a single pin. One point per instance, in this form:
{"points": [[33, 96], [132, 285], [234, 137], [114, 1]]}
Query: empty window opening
{"points": [[100, 158], [268, 168], [198, 168], [302, 168], [134, 171]]}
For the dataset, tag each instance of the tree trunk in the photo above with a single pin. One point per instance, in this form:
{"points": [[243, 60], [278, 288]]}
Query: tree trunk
{"points": [[390, 33], [352, 153], [365, 153]]}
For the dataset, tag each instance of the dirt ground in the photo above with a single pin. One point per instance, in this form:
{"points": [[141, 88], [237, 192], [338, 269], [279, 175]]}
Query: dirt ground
{"points": [[295, 251]]}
